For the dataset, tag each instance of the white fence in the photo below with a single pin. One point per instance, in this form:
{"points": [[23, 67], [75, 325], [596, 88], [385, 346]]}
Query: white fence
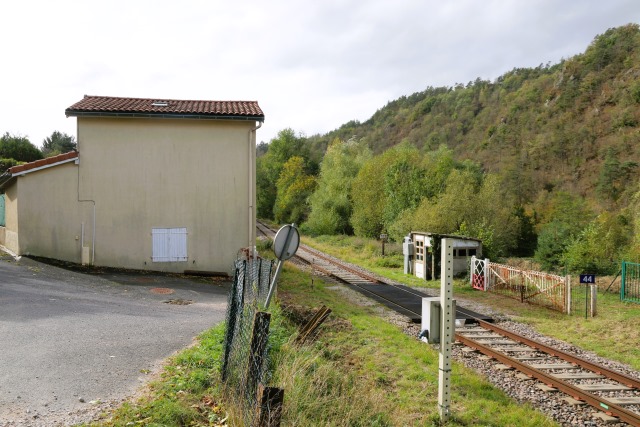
{"points": [[533, 287]]}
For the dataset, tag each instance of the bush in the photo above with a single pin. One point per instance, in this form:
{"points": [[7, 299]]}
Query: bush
{"points": [[598, 248]]}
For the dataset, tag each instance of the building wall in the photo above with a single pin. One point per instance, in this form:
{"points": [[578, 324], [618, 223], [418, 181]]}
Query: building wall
{"points": [[170, 173], [48, 213], [11, 219]]}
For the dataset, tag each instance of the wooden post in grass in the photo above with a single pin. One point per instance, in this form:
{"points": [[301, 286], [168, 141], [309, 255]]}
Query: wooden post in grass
{"points": [[259, 338], [270, 401]]}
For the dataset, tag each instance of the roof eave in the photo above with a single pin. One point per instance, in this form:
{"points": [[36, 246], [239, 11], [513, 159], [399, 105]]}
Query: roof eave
{"points": [[78, 113], [46, 166]]}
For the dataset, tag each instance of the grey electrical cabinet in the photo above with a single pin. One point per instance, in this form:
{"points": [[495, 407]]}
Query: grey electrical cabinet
{"points": [[431, 319]]}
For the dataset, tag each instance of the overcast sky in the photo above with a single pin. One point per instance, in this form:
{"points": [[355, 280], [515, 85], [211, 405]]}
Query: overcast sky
{"points": [[311, 65]]}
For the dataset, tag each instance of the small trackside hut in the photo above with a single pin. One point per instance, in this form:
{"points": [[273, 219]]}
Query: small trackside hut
{"points": [[422, 253]]}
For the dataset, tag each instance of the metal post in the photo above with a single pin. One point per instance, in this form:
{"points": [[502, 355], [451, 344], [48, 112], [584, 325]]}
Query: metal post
{"points": [[383, 237], [284, 255], [623, 283], [567, 281], [274, 282], [594, 297], [586, 300], [447, 328]]}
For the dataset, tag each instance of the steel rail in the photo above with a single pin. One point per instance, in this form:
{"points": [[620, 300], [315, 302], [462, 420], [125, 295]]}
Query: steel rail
{"points": [[318, 254], [346, 282], [569, 389], [315, 253], [598, 369]]}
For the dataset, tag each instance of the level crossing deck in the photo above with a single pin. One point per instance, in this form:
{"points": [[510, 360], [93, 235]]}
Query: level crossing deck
{"points": [[408, 301]]}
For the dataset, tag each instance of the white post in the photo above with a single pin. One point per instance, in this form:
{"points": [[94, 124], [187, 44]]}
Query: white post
{"points": [[594, 297], [486, 274], [447, 330], [473, 269]]}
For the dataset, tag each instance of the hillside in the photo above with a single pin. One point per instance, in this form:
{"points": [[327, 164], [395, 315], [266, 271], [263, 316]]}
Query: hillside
{"points": [[550, 127], [542, 161]]}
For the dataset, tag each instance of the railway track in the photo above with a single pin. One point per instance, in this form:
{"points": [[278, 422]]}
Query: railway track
{"points": [[584, 382], [403, 299]]}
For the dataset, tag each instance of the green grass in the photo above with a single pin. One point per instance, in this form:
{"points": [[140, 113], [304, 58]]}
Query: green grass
{"points": [[384, 377]]}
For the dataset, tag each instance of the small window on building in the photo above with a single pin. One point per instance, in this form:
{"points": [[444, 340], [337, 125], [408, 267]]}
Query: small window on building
{"points": [[472, 252], [462, 252], [419, 250], [169, 244]]}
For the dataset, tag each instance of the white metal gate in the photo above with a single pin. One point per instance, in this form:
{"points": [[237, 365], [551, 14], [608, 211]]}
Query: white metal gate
{"points": [[528, 286]]}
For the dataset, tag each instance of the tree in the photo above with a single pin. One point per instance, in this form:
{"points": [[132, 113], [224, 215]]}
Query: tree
{"points": [[404, 183], [5, 164], [614, 176], [598, 248], [293, 189], [18, 148], [455, 206], [567, 216], [484, 210], [368, 199], [268, 167], [438, 164], [385, 187], [552, 244], [58, 143], [527, 238], [331, 205]]}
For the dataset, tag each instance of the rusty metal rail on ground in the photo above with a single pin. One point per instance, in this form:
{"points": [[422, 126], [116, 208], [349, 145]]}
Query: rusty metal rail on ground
{"points": [[598, 402], [578, 361]]}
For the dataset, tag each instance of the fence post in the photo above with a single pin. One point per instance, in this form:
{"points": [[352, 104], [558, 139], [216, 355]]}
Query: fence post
{"points": [[231, 325], [623, 283], [567, 281], [473, 270], [594, 297], [259, 338], [270, 401], [486, 274]]}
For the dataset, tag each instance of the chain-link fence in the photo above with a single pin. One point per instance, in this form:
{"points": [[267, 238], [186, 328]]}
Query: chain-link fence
{"points": [[630, 286], [245, 363], [580, 298]]}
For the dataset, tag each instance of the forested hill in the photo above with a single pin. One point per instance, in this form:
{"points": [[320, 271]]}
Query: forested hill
{"points": [[542, 161], [554, 126]]}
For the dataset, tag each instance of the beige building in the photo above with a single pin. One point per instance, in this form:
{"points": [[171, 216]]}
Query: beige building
{"points": [[156, 184]]}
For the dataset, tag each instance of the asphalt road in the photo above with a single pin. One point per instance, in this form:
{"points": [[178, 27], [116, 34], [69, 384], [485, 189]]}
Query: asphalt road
{"points": [[71, 343]]}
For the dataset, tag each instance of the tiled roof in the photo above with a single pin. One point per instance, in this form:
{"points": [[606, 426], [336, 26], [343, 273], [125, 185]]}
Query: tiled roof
{"points": [[40, 164], [112, 106]]}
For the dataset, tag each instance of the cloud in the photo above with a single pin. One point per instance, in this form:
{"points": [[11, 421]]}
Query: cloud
{"points": [[312, 66]]}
